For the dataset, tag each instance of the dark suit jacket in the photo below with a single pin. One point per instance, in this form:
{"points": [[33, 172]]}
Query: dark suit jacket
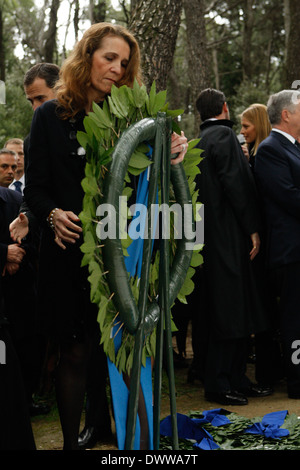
{"points": [[18, 290], [277, 170], [13, 403], [10, 202]]}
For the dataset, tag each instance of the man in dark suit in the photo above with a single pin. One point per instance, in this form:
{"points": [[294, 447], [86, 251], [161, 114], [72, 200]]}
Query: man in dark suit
{"points": [[277, 169], [16, 432], [18, 279], [227, 190]]}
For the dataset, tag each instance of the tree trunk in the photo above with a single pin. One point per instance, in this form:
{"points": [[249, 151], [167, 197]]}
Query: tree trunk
{"points": [[50, 35], [247, 38], [197, 55], [215, 65], [97, 12], [2, 51], [155, 24], [76, 20], [292, 65]]}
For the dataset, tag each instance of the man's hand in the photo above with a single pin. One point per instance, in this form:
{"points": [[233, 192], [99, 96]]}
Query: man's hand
{"points": [[255, 245], [10, 268], [19, 228], [15, 253]]}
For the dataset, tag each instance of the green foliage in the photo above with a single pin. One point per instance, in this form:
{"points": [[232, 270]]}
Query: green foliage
{"points": [[103, 128], [15, 115]]}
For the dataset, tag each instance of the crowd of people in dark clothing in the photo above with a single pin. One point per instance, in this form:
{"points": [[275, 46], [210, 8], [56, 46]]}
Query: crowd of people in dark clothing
{"points": [[250, 191], [248, 283]]}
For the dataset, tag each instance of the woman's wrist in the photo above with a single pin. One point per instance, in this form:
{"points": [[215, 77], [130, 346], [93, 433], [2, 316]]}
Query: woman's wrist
{"points": [[50, 218]]}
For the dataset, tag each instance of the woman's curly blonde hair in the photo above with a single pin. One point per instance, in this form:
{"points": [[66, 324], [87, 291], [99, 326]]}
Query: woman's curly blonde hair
{"points": [[73, 85]]}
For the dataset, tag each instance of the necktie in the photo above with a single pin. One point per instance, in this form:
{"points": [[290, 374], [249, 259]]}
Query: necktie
{"points": [[297, 144], [18, 185]]}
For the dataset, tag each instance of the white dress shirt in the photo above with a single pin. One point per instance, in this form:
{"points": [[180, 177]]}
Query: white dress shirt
{"points": [[22, 181]]}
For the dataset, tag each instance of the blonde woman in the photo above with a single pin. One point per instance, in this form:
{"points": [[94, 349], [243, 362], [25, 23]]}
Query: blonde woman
{"points": [[255, 127]]}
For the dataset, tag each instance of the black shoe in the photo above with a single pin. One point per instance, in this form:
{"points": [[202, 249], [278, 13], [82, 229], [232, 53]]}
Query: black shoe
{"points": [[36, 409], [90, 435], [227, 398], [193, 375], [256, 390]]}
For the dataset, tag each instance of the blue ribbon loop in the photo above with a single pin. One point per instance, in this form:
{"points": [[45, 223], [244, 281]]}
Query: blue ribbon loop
{"points": [[191, 428], [269, 426]]}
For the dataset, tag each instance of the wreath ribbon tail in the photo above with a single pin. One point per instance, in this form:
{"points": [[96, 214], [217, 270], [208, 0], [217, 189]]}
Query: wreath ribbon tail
{"points": [[120, 392], [120, 398]]}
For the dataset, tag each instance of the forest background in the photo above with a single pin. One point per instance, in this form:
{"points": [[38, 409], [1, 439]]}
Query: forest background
{"points": [[247, 48]]}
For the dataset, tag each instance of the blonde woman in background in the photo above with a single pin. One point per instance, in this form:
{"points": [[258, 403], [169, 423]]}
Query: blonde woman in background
{"points": [[255, 128]]}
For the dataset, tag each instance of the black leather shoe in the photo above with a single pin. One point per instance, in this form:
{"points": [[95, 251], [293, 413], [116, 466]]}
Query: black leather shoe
{"points": [[256, 390], [89, 437], [227, 398]]}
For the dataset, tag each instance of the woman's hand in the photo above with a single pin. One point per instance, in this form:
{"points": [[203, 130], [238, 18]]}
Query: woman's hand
{"points": [[65, 227], [19, 228], [178, 145], [246, 151]]}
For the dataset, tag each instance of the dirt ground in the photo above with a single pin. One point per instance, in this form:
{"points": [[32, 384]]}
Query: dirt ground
{"points": [[189, 397]]}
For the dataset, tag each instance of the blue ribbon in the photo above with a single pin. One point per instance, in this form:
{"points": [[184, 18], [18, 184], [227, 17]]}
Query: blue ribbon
{"points": [[191, 428], [133, 261], [269, 426], [120, 397], [119, 390], [216, 417]]}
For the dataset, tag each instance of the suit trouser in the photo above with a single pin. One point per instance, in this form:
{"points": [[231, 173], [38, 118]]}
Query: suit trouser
{"points": [[287, 281], [15, 431], [226, 365]]}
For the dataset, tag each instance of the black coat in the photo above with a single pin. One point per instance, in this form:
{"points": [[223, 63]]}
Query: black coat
{"points": [[227, 190], [18, 290], [13, 402], [10, 202], [53, 179]]}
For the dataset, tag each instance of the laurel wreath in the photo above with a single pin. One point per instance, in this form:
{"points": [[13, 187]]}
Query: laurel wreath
{"points": [[103, 128]]}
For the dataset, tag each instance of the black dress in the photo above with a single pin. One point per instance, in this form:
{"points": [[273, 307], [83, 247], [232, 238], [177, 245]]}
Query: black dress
{"points": [[53, 179]]}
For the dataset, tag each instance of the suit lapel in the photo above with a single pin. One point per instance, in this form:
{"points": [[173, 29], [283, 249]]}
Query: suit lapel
{"points": [[285, 142]]}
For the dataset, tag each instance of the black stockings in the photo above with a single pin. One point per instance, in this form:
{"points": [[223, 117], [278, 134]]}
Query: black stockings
{"points": [[70, 384]]}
